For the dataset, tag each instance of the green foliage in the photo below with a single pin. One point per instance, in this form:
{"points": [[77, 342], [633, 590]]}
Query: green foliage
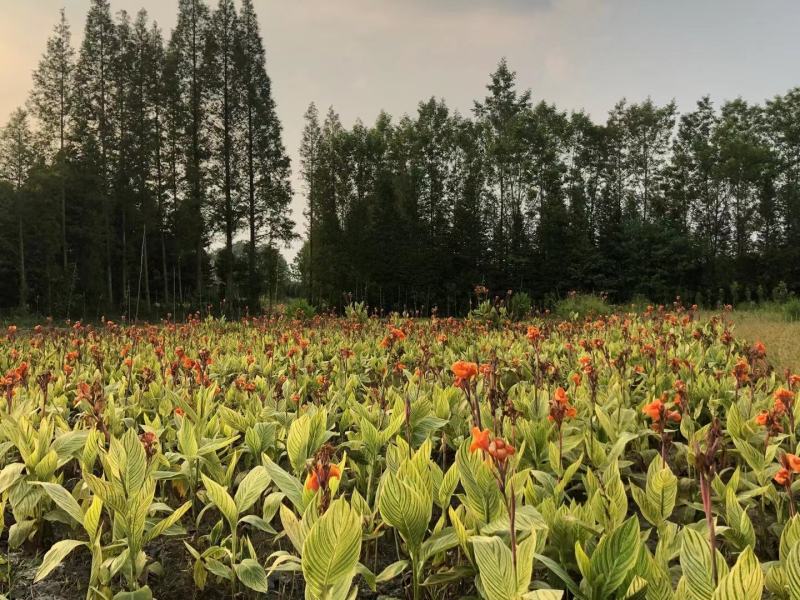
{"points": [[299, 308], [519, 306], [582, 305]]}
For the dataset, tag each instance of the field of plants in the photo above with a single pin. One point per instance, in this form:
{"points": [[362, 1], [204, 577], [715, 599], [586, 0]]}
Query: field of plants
{"points": [[648, 455]]}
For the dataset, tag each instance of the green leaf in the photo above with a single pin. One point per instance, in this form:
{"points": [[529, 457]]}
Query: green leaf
{"points": [[252, 574], [134, 465], [251, 487], [661, 490], [544, 595], [792, 569], [64, 500], [392, 571], [614, 558], [696, 565], [167, 522], [222, 500], [331, 550], [495, 568], [404, 507], [745, 579], [143, 593], [91, 520], [286, 483], [54, 557]]}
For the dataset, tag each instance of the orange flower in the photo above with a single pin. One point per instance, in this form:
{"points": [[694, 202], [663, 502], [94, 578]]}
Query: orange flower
{"points": [[533, 333], [464, 370], [761, 418], [312, 483], [576, 378], [759, 350], [793, 462], [500, 450], [561, 396], [783, 396], [740, 370], [653, 410], [179, 412], [480, 440], [312, 479], [783, 477]]}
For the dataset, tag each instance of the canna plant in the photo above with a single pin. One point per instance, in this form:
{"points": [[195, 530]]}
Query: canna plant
{"points": [[125, 494]]}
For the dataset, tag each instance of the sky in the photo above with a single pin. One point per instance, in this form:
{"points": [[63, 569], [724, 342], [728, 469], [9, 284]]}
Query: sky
{"points": [[361, 56]]}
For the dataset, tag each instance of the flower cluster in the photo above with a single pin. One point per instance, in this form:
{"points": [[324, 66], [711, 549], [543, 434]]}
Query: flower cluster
{"points": [[464, 371], [560, 408], [497, 447], [661, 414]]}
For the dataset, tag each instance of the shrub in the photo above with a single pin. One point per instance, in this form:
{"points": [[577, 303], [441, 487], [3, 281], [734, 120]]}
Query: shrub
{"points": [[488, 314], [519, 306], [357, 311], [791, 309], [299, 308], [582, 305], [780, 293]]}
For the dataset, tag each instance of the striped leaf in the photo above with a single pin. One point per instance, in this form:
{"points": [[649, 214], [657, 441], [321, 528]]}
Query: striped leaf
{"points": [[250, 488], [252, 574], [403, 506], [495, 568], [696, 565], [614, 558], [222, 500], [55, 556], [64, 500], [331, 551], [745, 579], [791, 567]]}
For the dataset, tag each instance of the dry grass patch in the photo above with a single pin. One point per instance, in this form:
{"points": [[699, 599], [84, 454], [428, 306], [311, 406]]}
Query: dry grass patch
{"points": [[781, 337]]}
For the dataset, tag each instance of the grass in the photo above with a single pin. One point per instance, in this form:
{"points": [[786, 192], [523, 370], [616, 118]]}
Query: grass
{"points": [[781, 337]]}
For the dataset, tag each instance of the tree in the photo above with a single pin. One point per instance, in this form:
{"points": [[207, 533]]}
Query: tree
{"points": [[186, 48], [267, 167], [92, 114], [310, 149], [501, 115], [225, 110], [17, 158], [51, 102]]}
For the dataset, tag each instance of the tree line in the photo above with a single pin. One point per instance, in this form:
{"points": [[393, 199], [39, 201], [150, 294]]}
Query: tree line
{"points": [[135, 152], [412, 213], [132, 154]]}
